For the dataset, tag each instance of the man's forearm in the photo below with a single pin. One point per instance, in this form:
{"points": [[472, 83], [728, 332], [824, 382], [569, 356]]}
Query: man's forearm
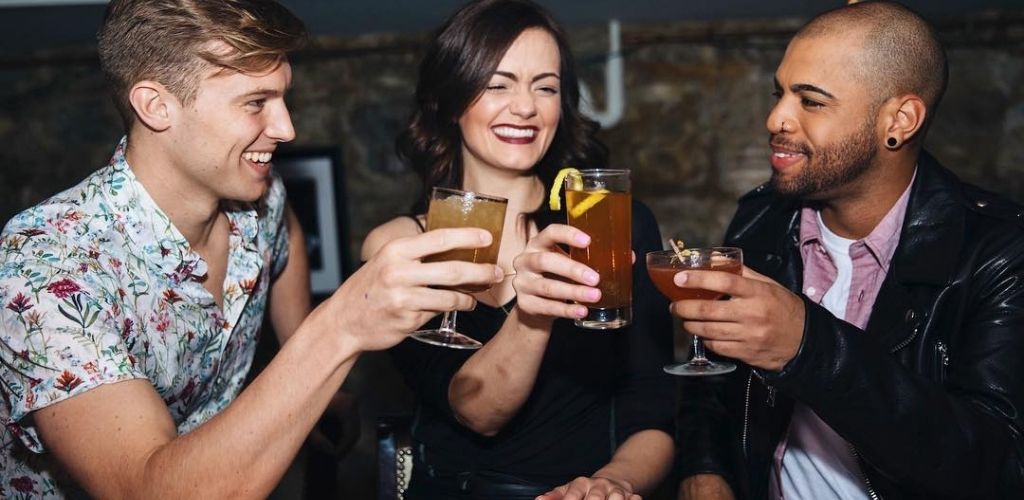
{"points": [[641, 461], [118, 440], [244, 451], [704, 487]]}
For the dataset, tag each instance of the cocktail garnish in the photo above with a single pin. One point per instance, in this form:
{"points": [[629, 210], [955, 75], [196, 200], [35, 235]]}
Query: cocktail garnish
{"points": [[679, 248], [592, 199], [554, 201]]}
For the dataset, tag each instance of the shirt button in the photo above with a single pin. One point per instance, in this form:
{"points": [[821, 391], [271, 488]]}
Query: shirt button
{"points": [[811, 291]]}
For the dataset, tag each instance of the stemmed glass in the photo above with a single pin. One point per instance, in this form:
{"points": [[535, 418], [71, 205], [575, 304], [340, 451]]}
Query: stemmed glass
{"points": [[455, 208], [664, 265]]}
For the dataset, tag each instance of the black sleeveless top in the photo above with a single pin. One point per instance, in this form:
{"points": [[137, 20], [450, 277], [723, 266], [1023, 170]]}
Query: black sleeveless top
{"points": [[593, 390]]}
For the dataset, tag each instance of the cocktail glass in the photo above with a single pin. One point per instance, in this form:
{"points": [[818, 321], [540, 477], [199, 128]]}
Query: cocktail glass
{"points": [[599, 203], [664, 265], [455, 208]]}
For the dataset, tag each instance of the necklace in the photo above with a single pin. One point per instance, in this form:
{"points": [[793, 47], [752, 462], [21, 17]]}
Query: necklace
{"points": [[506, 306]]}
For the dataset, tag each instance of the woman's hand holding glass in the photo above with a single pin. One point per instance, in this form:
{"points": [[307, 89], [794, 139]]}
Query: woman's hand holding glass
{"points": [[546, 277]]}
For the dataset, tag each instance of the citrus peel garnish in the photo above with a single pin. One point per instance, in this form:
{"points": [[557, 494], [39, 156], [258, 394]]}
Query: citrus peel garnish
{"points": [[554, 201], [593, 197]]}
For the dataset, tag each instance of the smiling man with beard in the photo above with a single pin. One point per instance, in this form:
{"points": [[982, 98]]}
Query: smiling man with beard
{"points": [[880, 324]]}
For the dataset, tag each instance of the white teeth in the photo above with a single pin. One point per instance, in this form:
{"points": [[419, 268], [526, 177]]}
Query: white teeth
{"points": [[515, 133], [785, 155], [257, 157]]}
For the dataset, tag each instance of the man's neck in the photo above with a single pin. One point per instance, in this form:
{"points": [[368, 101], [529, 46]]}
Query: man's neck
{"points": [[192, 210], [853, 215]]}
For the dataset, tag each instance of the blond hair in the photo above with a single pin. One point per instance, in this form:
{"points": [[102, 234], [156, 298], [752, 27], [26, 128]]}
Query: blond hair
{"points": [[174, 42]]}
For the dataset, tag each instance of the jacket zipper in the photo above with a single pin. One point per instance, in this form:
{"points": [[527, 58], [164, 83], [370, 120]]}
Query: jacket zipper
{"points": [[770, 401], [746, 413], [942, 360], [910, 339], [863, 474]]}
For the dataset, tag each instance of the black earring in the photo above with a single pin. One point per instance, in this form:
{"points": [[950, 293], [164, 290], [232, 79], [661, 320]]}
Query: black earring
{"points": [[892, 142]]}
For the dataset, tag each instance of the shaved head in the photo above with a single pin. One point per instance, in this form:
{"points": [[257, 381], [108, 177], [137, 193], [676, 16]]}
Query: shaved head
{"points": [[900, 53]]}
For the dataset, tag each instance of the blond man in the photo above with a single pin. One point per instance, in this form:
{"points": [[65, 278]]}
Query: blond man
{"points": [[131, 302]]}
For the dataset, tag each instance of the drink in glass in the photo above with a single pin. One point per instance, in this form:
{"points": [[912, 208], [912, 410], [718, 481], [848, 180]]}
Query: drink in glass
{"points": [[664, 265], [455, 208], [599, 203], [451, 209]]}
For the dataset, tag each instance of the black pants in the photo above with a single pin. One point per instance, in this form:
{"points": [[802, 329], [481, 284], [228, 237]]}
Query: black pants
{"points": [[432, 485]]}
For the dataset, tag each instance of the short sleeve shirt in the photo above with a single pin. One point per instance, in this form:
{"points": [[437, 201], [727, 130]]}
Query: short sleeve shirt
{"points": [[97, 286]]}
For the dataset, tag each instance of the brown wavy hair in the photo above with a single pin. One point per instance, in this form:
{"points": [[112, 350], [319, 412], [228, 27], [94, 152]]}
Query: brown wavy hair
{"points": [[175, 41], [459, 61]]}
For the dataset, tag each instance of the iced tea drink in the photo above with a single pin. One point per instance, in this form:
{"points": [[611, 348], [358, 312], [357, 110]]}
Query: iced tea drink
{"points": [[599, 203], [453, 208]]}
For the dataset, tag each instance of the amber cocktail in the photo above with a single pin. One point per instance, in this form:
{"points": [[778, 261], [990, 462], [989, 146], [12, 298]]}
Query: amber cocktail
{"points": [[452, 208], [664, 265], [599, 203], [455, 208]]}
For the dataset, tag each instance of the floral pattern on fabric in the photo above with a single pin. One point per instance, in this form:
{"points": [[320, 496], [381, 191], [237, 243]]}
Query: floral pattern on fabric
{"points": [[97, 286]]}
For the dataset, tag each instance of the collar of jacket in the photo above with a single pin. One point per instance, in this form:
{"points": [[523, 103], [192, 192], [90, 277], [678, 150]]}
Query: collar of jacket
{"points": [[931, 235], [926, 257]]}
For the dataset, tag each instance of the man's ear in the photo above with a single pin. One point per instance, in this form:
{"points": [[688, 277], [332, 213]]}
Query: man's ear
{"points": [[154, 105], [903, 118]]}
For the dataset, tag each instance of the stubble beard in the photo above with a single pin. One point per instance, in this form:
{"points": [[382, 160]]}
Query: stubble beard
{"points": [[830, 168]]}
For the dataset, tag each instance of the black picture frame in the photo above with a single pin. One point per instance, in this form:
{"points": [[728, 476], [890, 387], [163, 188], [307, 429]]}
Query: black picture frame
{"points": [[314, 181]]}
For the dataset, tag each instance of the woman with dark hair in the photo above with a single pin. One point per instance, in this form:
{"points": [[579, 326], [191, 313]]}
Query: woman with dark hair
{"points": [[543, 407]]}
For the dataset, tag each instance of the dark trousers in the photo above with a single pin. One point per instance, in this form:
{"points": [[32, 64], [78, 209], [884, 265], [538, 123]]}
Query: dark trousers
{"points": [[429, 484]]}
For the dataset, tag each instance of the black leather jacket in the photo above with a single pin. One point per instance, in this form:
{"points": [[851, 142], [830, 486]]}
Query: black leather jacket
{"points": [[930, 397]]}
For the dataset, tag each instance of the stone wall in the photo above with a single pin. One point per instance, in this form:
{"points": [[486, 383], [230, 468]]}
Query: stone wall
{"points": [[697, 95], [693, 131]]}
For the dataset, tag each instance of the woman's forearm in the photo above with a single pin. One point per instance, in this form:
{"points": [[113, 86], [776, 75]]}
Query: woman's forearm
{"points": [[494, 383]]}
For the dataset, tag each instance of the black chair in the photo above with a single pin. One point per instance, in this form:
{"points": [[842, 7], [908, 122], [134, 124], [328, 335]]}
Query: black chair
{"points": [[394, 456]]}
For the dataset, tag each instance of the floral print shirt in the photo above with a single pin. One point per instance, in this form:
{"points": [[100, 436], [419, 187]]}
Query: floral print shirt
{"points": [[98, 286]]}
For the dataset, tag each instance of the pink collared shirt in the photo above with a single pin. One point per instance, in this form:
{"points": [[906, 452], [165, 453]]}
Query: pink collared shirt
{"points": [[824, 456]]}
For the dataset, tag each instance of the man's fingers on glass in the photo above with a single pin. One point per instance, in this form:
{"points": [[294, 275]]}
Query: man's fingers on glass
{"points": [[439, 301], [455, 272], [441, 240]]}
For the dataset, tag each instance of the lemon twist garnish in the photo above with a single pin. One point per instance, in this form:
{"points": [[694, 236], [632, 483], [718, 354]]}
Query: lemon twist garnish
{"points": [[554, 201], [592, 199]]}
